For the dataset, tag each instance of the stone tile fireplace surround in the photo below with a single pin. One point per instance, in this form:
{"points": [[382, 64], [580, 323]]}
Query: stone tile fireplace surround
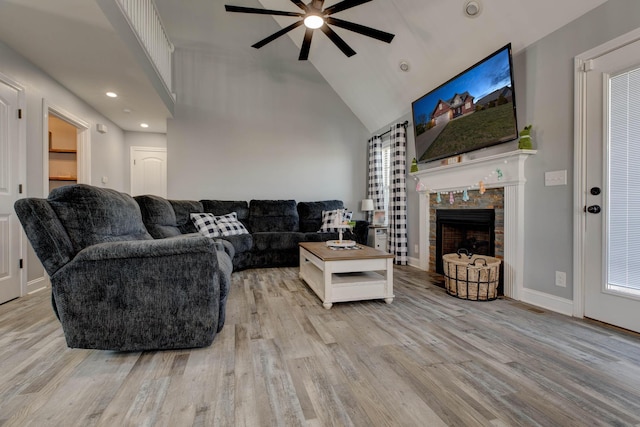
{"points": [[465, 176]]}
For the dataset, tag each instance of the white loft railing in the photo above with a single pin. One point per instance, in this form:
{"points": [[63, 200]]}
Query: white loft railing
{"points": [[146, 23]]}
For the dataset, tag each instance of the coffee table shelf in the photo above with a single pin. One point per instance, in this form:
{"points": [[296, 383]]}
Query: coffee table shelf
{"points": [[346, 275]]}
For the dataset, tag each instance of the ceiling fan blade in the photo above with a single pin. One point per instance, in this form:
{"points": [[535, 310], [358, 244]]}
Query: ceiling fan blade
{"points": [[318, 4], [361, 29], [335, 38], [230, 8], [306, 45], [300, 4], [274, 36], [343, 5]]}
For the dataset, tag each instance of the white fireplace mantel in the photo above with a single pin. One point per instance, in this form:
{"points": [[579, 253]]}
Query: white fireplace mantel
{"points": [[467, 175]]}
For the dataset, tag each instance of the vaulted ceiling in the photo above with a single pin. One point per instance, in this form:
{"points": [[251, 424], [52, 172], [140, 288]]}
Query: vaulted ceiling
{"points": [[73, 42]]}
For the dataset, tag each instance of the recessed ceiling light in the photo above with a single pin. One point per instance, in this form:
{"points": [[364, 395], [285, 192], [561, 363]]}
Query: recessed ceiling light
{"points": [[112, 94], [144, 125], [472, 8], [313, 21]]}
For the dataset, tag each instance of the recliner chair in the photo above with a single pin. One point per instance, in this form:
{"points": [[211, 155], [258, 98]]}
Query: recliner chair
{"points": [[113, 286]]}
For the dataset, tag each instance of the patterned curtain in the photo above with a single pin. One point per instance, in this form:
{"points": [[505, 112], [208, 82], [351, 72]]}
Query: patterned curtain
{"points": [[397, 238], [375, 189]]}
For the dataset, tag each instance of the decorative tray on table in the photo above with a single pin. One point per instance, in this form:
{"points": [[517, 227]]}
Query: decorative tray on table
{"points": [[341, 243]]}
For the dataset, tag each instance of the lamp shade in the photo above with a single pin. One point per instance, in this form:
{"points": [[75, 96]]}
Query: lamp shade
{"points": [[367, 205]]}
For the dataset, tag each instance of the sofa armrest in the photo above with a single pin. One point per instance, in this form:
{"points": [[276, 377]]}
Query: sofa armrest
{"points": [[139, 295]]}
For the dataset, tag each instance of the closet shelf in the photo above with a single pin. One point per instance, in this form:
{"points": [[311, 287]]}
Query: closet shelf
{"points": [[63, 178], [61, 150]]}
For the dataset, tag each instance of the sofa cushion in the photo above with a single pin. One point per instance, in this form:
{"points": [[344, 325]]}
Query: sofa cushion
{"points": [[241, 242], [277, 241], [273, 215], [332, 221], [158, 216], [47, 235], [93, 215], [310, 213], [183, 209], [223, 207]]}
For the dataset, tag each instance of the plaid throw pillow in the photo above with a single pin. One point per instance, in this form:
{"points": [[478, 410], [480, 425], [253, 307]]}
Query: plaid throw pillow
{"points": [[228, 225], [330, 222], [206, 224]]}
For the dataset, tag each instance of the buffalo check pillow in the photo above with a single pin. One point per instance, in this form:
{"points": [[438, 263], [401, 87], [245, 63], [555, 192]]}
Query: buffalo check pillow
{"points": [[229, 225], [331, 223], [206, 224]]}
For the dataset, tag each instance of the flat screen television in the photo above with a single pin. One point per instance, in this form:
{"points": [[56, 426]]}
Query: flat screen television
{"points": [[475, 109]]}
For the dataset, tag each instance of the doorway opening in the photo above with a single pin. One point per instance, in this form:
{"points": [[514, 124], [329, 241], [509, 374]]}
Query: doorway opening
{"points": [[67, 154]]}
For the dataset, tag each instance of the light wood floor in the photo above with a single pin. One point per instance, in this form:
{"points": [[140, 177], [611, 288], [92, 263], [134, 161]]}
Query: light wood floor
{"points": [[428, 359]]}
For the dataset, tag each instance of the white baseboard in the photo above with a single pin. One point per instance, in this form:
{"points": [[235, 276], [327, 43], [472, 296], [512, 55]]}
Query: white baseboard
{"points": [[414, 262], [38, 284], [548, 302]]}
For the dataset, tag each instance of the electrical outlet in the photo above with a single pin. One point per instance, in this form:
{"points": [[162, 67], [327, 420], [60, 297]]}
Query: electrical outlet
{"points": [[416, 248], [561, 279]]}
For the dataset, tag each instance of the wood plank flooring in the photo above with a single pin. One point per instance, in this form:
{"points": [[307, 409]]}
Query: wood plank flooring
{"points": [[427, 359]]}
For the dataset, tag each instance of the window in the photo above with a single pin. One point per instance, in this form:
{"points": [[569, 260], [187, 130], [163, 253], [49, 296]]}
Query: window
{"points": [[624, 184]]}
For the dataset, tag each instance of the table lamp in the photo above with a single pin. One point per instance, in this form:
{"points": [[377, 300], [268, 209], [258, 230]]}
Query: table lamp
{"points": [[367, 206]]}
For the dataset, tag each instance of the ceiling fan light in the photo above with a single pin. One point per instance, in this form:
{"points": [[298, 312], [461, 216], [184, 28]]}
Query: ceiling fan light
{"points": [[313, 21]]}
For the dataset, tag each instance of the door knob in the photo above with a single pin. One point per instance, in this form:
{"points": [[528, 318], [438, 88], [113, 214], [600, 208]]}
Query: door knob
{"points": [[595, 191], [594, 209]]}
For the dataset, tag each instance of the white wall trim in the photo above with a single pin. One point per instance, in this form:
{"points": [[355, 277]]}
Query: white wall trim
{"points": [[415, 262], [579, 165], [547, 301], [38, 284], [84, 143]]}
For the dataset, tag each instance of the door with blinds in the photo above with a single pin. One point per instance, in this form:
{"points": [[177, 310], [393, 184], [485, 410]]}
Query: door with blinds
{"points": [[612, 233]]}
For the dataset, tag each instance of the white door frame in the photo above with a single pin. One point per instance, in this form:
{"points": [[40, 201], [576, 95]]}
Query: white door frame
{"points": [[581, 63], [22, 168], [84, 143]]}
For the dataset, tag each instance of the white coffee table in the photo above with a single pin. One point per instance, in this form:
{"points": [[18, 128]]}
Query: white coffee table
{"points": [[338, 275]]}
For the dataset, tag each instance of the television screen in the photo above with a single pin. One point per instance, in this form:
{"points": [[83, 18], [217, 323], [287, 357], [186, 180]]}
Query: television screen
{"points": [[475, 109]]}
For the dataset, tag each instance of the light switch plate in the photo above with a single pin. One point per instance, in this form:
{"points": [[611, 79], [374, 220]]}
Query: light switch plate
{"points": [[555, 178]]}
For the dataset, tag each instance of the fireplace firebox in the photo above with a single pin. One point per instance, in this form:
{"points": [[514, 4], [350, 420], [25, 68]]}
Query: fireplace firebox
{"points": [[470, 229]]}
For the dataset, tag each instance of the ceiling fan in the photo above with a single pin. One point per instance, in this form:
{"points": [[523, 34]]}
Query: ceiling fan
{"points": [[313, 16]]}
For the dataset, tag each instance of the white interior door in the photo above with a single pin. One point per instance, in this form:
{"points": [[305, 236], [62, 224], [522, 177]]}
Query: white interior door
{"points": [[612, 223], [149, 171], [9, 175]]}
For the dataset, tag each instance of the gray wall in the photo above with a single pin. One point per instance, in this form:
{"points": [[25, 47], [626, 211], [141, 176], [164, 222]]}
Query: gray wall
{"points": [[253, 128], [106, 149], [545, 91], [544, 82]]}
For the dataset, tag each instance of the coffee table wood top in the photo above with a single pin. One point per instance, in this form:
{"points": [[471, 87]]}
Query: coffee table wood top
{"points": [[325, 253]]}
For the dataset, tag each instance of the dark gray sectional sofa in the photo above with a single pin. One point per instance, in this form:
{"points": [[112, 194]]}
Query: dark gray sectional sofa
{"points": [[275, 226], [130, 276]]}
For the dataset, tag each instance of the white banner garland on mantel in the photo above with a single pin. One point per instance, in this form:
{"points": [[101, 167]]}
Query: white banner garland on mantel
{"points": [[467, 175]]}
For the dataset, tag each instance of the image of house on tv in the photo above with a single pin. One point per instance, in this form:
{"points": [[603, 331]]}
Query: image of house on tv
{"points": [[457, 106], [463, 103]]}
